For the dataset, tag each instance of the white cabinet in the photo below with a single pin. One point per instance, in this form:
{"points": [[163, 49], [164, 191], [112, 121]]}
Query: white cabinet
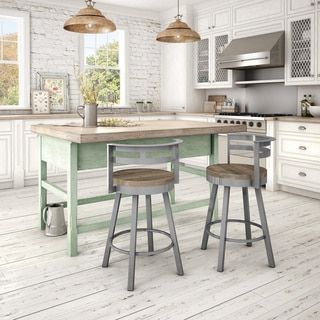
{"points": [[207, 71], [249, 12], [216, 20], [301, 50], [298, 6], [6, 150], [298, 155]]}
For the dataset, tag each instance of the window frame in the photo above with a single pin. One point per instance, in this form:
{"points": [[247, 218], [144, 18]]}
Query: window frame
{"points": [[23, 19], [123, 60]]}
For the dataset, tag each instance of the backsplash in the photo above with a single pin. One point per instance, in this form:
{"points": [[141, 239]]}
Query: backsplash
{"points": [[56, 50]]}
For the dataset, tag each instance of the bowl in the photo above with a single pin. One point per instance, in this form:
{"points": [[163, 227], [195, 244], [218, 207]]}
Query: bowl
{"points": [[315, 111]]}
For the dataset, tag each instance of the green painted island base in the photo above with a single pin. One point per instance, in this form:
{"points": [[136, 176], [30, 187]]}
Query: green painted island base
{"points": [[75, 157]]}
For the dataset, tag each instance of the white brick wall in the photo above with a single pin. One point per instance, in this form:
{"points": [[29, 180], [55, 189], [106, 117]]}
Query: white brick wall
{"points": [[56, 50]]}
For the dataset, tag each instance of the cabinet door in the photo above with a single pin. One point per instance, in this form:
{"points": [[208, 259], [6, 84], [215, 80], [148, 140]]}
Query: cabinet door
{"points": [[250, 12], [222, 77], [202, 55], [300, 62], [6, 157], [318, 47], [221, 19], [204, 22], [296, 6]]}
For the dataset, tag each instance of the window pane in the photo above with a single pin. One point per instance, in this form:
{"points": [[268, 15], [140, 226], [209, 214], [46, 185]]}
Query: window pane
{"points": [[9, 27], [10, 50], [89, 57], [113, 59], [89, 41], [9, 84], [102, 39], [107, 83]]}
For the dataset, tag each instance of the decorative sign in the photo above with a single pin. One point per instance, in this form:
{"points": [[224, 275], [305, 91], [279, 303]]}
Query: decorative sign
{"points": [[57, 84], [40, 101]]}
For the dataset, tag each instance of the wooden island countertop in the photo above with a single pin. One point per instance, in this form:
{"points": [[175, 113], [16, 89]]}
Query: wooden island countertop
{"points": [[145, 130]]}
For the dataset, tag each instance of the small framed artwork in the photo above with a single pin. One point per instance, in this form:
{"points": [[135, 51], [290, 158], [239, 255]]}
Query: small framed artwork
{"points": [[57, 84], [40, 101]]}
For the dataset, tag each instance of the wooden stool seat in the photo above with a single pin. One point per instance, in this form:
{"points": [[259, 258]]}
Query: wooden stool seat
{"points": [[230, 174], [142, 177]]}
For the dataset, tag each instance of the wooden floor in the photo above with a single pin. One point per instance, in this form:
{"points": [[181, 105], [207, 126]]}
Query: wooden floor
{"points": [[39, 281]]}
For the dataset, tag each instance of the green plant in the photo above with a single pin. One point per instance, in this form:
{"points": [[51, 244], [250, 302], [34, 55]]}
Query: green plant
{"points": [[88, 87]]}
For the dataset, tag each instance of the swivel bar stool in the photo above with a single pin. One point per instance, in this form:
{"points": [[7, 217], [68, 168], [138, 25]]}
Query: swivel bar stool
{"points": [[239, 175], [142, 181]]}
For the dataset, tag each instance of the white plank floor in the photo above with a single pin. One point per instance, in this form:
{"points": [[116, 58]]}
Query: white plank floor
{"points": [[39, 281]]}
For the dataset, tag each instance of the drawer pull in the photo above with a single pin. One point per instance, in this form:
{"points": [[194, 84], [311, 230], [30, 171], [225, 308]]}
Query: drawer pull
{"points": [[302, 128], [303, 148], [302, 174]]}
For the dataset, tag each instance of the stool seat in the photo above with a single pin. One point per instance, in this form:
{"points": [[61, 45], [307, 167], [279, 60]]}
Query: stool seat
{"points": [[142, 177], [234, 174]]}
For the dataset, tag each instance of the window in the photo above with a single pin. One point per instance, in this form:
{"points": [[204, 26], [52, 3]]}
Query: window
{"points": [[104, 63], [14, 60]]}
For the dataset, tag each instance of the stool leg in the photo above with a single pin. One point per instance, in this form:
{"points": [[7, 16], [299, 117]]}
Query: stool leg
{"points": [[265, 228], [213, 196], [149, 223], [133, 242], [246, 210], [112, 228], [223, 230], [173, 234]]}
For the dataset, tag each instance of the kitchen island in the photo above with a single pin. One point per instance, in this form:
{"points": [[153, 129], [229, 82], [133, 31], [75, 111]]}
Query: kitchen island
{"points": [[74, 148]]}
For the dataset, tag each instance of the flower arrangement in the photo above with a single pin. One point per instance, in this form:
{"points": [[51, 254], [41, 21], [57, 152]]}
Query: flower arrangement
{"points": [[88, 87]]}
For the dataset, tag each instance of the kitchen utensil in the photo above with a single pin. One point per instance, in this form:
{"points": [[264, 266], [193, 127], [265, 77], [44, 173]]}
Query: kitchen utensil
{"points": [[53, 217]]}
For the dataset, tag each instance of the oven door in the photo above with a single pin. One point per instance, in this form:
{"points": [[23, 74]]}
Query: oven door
{"points": [[223, 153]]}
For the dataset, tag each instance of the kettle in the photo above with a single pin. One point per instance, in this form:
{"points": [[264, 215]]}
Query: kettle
{"points": [[53, 217]]}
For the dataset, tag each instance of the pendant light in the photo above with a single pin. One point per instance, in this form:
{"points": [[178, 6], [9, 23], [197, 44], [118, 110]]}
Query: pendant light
{"points": [[178, 31], [89, 20]]}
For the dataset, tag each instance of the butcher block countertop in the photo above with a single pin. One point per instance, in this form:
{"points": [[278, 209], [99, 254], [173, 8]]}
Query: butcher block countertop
{"points": [[300, 119], [145, 130]]}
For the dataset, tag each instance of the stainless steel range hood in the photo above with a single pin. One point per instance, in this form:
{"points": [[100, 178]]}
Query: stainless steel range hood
{"points": [[262, 51]]}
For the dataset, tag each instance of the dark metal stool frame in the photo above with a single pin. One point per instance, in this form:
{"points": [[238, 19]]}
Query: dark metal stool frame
{"points": [[122, 154], [248, 145]]}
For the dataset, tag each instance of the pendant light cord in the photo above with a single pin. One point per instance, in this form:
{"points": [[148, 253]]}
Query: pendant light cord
{"points": [[178, 16]]}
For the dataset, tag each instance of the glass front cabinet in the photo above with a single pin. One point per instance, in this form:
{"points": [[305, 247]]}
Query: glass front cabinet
{"points": [[301, 64], [207, 71]]}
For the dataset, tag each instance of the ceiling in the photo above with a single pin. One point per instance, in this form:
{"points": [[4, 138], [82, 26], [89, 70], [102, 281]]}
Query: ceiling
{"points": [[154, 5]]}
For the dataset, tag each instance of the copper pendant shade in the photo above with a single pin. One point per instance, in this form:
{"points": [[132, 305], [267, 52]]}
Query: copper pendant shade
{"points": [[89, 20], [178, 32]]}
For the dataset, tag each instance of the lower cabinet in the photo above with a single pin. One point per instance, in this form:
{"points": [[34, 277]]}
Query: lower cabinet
{"points": [[298, 155]]}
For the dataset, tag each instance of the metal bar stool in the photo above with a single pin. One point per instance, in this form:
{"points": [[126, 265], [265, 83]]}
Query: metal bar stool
{"points": [[142, 181], [239, 175]]}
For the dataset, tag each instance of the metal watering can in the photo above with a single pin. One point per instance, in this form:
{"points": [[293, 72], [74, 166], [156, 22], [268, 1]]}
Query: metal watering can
{"points": [[53, 217], [88, 113]]}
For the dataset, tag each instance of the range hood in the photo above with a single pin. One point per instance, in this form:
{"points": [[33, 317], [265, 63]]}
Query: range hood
{"points": [[262, 51]]}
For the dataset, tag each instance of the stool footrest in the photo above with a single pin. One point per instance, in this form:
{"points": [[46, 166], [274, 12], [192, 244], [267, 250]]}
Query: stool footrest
{"points": [[143, 253], [208, 226]]}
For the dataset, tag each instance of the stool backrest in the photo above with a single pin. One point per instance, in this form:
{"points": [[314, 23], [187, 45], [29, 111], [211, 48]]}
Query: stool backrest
{"points": [[252, 146], [145, 154]]}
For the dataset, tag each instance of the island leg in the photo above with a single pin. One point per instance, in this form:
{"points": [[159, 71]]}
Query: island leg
{"points": [[214, 159], [42, 191], [72, 200]]}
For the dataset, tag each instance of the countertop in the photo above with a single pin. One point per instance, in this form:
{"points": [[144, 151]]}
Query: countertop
{"points": [[145, 130], [299, 119]]}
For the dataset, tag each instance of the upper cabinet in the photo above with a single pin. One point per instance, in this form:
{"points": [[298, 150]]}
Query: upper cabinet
{"points": [[207, 51], [298, 6], [214, 20], [257, 10], [301, 50]]}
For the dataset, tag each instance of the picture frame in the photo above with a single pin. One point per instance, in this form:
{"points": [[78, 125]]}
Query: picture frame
{"points": [[40, 102], [57, 84]]}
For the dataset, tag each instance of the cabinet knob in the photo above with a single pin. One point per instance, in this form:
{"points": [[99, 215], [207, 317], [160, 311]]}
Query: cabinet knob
{"points": [[302, 128], [209, 27], [302, 174], [303, 148], [312, 75], [312, 3], [215, 26]]}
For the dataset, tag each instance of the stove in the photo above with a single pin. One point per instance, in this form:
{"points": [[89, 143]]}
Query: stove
{"points": [[255, 122]]}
